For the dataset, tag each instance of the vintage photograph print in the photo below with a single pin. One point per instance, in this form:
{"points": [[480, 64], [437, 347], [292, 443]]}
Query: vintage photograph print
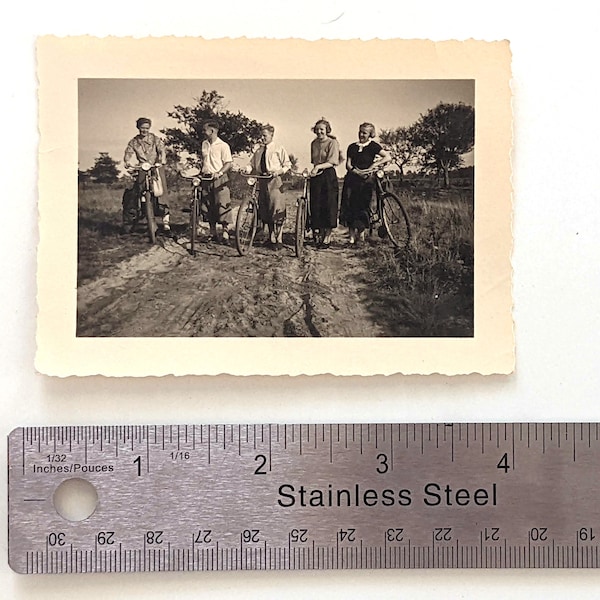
{"points": [[276, 208], [351, 219]]}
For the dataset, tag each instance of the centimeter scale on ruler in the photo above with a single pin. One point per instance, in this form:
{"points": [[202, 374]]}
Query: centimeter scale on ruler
{"points": [[333, 496]]}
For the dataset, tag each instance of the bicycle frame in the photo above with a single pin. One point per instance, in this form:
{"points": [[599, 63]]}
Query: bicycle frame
{"points": [[247, 221], [391, 214], [196, 179], [146, 198], [302, 215]]}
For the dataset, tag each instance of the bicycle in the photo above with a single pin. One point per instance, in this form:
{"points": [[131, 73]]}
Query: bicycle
{"points": [[390, 210], [146, 199], [302, 215], [193, 174], [247, 220]]}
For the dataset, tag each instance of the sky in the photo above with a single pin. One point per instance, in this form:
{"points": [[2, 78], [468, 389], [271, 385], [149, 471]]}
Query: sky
{"points": [[108, 108]]}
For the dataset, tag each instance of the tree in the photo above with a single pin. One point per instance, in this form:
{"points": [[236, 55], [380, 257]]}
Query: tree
{"points": [[82, 177], [239, 131], [172, 168], [104, 170], [294, 162], [445, 133], [400, 142]]}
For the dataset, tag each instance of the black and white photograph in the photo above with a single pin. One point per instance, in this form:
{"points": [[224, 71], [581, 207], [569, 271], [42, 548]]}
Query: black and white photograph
{"points": [[276, 208], [348, 218]]}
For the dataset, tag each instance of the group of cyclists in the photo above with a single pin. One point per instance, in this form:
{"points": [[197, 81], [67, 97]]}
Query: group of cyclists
{"points": [[270, 161]]}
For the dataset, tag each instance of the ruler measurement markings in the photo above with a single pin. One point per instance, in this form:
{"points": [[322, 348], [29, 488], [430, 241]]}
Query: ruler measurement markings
{"points": [[271, 449], [482, 440], [538, 554], [513, 445], [391, 448], [361, 438], [544, 437]]}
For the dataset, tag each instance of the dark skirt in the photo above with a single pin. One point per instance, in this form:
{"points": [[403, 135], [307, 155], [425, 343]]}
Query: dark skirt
{"points": [[324, 192], [357, 195]]}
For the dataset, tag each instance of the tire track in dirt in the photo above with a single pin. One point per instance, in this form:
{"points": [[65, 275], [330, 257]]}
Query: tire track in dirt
{"points": [[165, 292]]}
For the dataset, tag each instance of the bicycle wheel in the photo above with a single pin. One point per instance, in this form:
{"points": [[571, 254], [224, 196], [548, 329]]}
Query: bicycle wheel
{"points": [[151, 222], [395, 220], [300, 226], [194, 224], [245, 226]]}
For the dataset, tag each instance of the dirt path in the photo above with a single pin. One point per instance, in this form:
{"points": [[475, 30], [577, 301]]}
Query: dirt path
{"points": [[165, 292]]}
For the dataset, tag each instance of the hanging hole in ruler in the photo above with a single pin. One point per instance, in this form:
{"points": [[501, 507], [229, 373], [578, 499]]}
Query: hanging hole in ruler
{"points": [[75, 499]]}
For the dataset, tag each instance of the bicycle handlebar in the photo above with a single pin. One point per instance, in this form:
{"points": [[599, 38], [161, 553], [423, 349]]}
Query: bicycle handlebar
{"points": [[250, 175], [145, 166], [199, 176]]}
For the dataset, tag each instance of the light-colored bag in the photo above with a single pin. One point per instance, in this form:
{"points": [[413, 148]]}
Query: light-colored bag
{"points": [[157, 186]]}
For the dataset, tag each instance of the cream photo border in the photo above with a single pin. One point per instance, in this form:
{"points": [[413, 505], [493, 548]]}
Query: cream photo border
{"points": [[63, 61]]}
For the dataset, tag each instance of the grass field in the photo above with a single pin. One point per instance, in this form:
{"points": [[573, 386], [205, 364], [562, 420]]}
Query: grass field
{"points": [[101, 242], [427, 289]]}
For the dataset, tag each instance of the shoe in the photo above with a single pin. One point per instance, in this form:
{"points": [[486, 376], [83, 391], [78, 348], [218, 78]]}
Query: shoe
{"points": [[325, 245], [277, 246]]}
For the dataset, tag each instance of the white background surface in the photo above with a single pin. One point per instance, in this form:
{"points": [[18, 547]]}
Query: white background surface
{"points": [[556, 256]]}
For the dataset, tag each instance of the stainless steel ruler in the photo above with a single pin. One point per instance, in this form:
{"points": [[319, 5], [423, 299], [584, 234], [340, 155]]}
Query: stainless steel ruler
{"points": [[278, 497]]}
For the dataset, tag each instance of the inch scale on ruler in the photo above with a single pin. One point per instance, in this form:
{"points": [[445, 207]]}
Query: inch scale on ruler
{"points": [[287, 497]]}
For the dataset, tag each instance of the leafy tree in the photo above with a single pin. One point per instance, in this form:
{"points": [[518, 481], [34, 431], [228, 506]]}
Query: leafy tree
{"points": [[104, 170], [445, 133], [239, 131], [172, 168], [82, 176], [400, 142], [294, 162]]}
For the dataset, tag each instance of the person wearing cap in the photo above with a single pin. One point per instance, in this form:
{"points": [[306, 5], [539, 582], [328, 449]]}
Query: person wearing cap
{"points": [[144, 147], [271, 159], [215, 204]]}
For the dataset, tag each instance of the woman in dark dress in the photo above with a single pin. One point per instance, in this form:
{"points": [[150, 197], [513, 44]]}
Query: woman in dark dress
{"points": [[324, 189], [358, 184]]}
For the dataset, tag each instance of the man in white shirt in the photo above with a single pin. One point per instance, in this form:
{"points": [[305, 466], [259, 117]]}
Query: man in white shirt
{"points": [[216, 199], [271, 159]]}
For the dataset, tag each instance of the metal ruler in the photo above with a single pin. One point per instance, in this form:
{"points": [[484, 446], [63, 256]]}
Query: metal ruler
{"points": [[279, 497]]}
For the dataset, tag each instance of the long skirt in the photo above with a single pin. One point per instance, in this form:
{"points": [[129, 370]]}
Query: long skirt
{"points": [[215, 203], [271, 202], [357, 195], [324, 190]]}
